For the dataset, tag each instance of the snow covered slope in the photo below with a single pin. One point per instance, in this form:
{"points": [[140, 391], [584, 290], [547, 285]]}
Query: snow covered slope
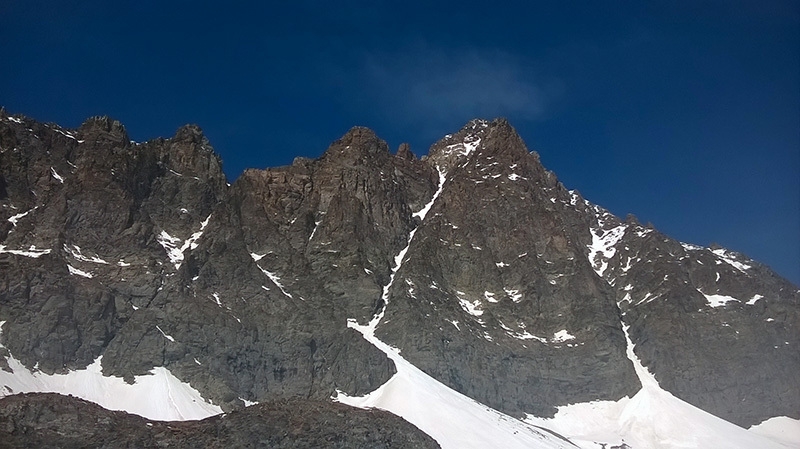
{"points": [[655, 419], [159, 396], [452, 419]]}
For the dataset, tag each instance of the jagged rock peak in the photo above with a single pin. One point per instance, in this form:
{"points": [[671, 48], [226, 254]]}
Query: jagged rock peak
{"points": [[478, 136], [102, 123], [357, 144], [404, 152], [191, 133]]}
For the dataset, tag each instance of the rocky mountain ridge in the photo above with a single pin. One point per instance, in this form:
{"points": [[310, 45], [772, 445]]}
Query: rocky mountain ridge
{"points": [[513, 289], [49, 420]]}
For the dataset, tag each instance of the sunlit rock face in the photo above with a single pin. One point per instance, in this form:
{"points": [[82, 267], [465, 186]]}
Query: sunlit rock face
{"points": [[484, 270]]}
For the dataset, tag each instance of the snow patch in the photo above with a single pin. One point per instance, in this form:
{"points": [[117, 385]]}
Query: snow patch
{"points": [[170, 245], [754, 299], [729, 258], [562, 336], [77, 254], [782, 429], [158, 395], [66, 134], [690, 247], [76, 272], [175, 246], [32, 251], [602, 247], [472, 308], [464, 148], [718, 300], [525, 335], [191, 242], [628, 264], [573, 198], [56, 175], [515, 295], [272, 277], [652, 419], [15, 218], [248, 403]]}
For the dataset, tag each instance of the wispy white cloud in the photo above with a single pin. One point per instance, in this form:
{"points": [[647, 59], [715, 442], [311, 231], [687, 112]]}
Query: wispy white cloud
{"points": [[436, 87]]}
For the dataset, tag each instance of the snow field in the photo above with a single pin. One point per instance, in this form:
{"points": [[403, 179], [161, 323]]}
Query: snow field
{"points": [[158, 395], [655, 419]]}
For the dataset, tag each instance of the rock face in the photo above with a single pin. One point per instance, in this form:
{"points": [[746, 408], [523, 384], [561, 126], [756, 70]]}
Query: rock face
{"points": [[504, 283], [50, 420], [514, 290], [715, 327]]}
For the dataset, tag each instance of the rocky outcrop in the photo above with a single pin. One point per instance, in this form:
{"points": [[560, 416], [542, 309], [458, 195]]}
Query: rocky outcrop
{"points": [[54, 421]]}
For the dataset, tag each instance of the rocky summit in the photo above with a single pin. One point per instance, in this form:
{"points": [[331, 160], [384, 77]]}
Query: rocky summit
{"points": [[471, 271]]}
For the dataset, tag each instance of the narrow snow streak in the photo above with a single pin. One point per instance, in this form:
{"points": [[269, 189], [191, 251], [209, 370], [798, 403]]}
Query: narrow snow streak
{"points": [[272, 276], [452, 419], [56, 175], [33, 251], [400, 257], [424, 211], [728, 258], [168, 337], [76, 253], [15, 218], [76, 272], [314, 231]]}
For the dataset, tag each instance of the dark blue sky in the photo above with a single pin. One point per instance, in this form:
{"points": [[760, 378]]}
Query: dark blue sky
{"points": [[684, 113]]}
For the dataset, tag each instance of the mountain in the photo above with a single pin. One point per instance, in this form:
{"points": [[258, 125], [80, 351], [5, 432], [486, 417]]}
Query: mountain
{"points": [[463, 291]]}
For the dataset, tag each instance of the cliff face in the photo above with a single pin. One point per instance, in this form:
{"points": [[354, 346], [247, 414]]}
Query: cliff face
{"points": [[514, 290]]}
